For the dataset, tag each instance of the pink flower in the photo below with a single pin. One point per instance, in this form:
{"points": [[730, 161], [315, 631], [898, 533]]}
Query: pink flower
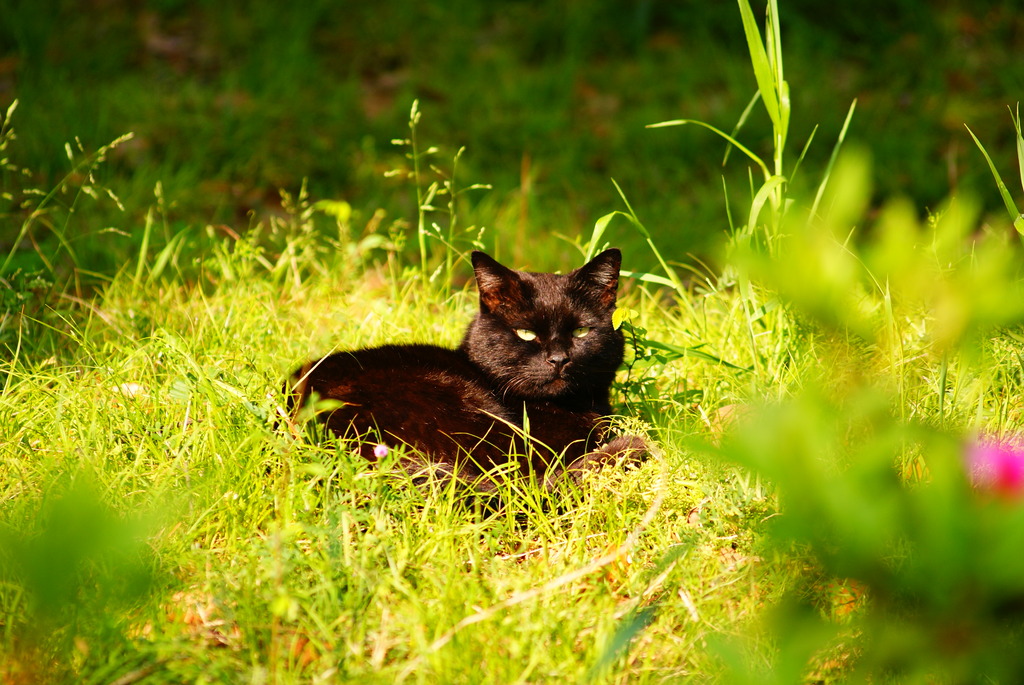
{"points": [[380, 451], [997, 466]]}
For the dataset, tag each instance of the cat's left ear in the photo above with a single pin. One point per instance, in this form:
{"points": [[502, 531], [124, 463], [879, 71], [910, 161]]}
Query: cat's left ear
{"points": [[601, 274]]}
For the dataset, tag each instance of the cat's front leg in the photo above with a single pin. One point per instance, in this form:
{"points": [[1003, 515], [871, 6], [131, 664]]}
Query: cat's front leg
{"points": [[625, 449]]}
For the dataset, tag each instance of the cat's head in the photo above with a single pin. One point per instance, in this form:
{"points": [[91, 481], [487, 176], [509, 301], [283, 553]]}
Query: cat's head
{"points": [[547, 336]]}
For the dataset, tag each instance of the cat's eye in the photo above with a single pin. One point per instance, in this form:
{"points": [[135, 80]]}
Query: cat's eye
{"points": [[581, 331], [526, 334]]}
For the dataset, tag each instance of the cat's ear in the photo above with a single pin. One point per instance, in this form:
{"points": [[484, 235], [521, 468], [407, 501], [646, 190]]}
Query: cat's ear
{"points": [[499, 286], [601, 275]]}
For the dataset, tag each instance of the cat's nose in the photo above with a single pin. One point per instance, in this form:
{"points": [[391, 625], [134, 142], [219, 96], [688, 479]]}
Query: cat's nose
{"points": [[558, 360]]}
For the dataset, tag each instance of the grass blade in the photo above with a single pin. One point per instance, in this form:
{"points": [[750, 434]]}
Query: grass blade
{"points": [[677, 284], [1020, 144], [803, 152], [678, 352], [762, 196], [832, 159], [595, 237], [170, 250], [774, 37], [1011, 207], [649, 278], [144, 248], [739, 146], [742, 120], [762, 68]]}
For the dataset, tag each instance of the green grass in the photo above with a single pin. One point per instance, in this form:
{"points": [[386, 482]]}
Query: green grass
{"points": [[805, 514], [305, 562]]}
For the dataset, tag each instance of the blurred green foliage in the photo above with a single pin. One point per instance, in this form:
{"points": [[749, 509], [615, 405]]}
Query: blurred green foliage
{"points": [[71, 567], [935, 566], [872, 468]]}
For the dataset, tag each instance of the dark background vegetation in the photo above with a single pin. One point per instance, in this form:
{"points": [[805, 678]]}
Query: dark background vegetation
{"points": [[232, 101]]}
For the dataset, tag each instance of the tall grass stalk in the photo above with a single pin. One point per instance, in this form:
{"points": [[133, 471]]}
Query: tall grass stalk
{"points": [[1016, 216], [427, 194], [424, 196], [773, 92], [759, 232]]}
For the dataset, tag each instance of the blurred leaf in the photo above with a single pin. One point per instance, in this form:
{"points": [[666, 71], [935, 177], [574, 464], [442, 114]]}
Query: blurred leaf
{"points": [[618, 646], [75, 559], [339, 209], [180, 390], [926, 555]]}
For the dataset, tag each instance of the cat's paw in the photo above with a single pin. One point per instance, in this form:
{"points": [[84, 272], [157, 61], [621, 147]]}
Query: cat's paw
{"points": [[629, 449], [625, 449]]}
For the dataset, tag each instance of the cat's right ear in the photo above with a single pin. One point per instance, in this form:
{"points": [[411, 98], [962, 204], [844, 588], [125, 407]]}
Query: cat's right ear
{"points": [[499, 286]]}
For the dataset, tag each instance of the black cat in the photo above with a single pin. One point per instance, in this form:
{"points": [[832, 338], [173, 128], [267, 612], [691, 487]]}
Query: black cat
{"points": [[538, 360]]}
